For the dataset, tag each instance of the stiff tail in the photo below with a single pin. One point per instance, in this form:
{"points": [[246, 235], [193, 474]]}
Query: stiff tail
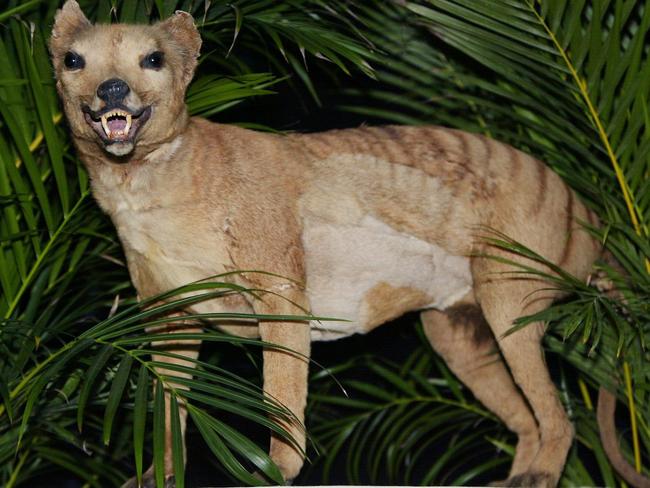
{"points": [[605, 416], [607, 399]]}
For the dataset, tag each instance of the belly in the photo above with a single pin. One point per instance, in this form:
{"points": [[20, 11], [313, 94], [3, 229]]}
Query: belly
{"points": [[162, 256], [362, 272], [368, 273]]}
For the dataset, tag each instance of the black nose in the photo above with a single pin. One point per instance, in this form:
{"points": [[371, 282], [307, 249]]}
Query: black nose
{"points": [[113, 90]]}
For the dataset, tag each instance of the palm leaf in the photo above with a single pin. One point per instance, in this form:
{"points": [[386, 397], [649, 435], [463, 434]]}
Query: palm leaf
{"points": [[60, 264], [562, 81], [393, 434], [566, 81]]}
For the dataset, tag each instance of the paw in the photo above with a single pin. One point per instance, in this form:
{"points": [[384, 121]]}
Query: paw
{"points": [[265, 481], [288, 460], [498, 483], [531, 479], [289, 472], [149, 481]]}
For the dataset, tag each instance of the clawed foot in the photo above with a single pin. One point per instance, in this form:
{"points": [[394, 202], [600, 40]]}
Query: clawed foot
{"points": [[259, 476], [529, 480], [498, 483]]}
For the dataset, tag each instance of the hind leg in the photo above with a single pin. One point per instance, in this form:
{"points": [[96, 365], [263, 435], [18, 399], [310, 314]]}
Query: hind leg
{"points": [[463, 338], [502, 301]]}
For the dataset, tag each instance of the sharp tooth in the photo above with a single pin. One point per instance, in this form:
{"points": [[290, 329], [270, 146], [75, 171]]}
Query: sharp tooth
{"points": [[105, 125], [127, 127]]}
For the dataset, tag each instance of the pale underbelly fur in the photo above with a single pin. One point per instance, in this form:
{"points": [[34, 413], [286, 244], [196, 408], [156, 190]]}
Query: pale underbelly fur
{"points": [[363, 272], [368, 273]]}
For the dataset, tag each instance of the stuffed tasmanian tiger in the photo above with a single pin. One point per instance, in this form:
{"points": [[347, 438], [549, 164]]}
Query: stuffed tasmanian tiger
{"points": [[367, 224]]}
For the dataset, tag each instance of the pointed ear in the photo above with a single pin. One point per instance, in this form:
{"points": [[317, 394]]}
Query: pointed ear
{"points": [[69, 21], [186, 38]]}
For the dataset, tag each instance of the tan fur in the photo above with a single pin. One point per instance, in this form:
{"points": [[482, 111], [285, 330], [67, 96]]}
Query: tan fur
{"points": [[373, 222], [385, 302]]}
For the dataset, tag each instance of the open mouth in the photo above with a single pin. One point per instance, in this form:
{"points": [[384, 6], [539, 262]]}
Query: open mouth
{"points": [[116, 124]]}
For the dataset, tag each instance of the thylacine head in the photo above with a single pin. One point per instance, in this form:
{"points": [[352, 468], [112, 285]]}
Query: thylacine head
{"points": [[123, 86]]}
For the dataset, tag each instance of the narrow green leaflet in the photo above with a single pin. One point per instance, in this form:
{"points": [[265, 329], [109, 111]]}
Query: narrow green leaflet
{"points": [[140, 419], [115, 395], [177, 444], [159, 444], [90, 377]]}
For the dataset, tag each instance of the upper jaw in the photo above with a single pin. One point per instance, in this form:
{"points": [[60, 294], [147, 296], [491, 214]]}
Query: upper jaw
{"points": [[116, 124]]}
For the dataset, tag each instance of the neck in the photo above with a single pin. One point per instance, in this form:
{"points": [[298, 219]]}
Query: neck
{"points": [[114, 181], [100, 162]]}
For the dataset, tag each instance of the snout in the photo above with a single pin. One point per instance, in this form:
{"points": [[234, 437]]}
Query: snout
{"points": [[113, 91], [118, 121]]}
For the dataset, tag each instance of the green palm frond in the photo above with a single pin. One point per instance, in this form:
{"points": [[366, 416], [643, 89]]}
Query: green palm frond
{"points": [[285, 34], [566, 82], [390, 427], [75, 386], [556, 52], [95, 371], [519, 82], [411, 423]]}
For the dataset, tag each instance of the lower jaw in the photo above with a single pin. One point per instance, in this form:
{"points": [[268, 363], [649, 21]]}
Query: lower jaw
{"points": [[119, 148]]}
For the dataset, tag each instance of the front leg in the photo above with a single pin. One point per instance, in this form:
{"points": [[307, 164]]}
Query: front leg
{"points": [[285, 373], [190, 350]]}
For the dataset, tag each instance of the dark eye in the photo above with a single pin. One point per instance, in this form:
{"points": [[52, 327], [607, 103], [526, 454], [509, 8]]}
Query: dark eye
{"points": [[153, 60], [73, 60]]}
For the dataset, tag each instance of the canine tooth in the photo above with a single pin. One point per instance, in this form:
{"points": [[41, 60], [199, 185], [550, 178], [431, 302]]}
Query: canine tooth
{"points": [[105, 125], [128, 124]]}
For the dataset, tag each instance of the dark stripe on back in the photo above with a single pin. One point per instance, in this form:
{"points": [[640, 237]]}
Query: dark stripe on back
{"points": [[315, 146], [463, 160], [389, 146], [486, 153], [541, 191], [372, 142], [352, 142], [404, 142], [390, 131], [464, 145], [433, 137], [515, 161]]}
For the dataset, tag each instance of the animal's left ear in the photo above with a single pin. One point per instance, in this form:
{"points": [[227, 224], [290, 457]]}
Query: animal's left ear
{"points": [[69, 21], [180, 27]]}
